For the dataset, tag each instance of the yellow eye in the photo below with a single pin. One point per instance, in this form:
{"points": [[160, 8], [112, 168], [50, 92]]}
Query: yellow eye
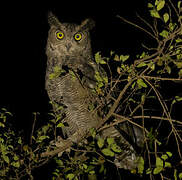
{"points": [[78, 36], [59, 35]]}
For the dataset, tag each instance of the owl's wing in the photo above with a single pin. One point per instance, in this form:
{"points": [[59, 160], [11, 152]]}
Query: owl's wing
{"points": [[127, 138]]}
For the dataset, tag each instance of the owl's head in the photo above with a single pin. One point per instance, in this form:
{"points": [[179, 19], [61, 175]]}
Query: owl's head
{"points": [[69, 39]]}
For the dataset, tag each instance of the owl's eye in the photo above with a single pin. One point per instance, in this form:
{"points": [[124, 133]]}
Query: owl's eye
{"points": [[59, 35], [78, 36]]}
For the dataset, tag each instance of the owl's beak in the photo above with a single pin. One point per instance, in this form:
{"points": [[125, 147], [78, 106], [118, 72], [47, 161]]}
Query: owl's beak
{"points": [[68, 46]]}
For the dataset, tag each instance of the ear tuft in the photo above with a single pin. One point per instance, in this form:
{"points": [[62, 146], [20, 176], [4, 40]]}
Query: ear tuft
{"points": [[52, 19], [88, 24]]}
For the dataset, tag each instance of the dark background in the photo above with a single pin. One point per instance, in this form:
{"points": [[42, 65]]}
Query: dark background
{"points": [[23, 39]]}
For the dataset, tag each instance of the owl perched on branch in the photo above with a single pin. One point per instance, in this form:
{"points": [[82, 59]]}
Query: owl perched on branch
{"points": [[70, 79]]}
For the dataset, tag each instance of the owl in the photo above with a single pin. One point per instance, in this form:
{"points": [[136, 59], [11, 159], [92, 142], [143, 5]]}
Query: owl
{"points": [[70, 78], [69, 50]]}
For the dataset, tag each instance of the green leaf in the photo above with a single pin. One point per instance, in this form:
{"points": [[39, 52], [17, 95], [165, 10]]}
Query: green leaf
{"points": [[143, 97], [151, 66], [168, 69], [16, 164], [105, 79], [15, 157], [173, 102], [178, 98], [159, 162], [52, 76], [3, 149], [172, 26], [175, 174], [100, 84], [157, 170], [142, 64], [2, 125], [141, 83], [1, 141], [110, 140], [156, 2], [149, 171], [169, 154], [57, 69], [179, 19], [101, 168], [41, 138], [99, 59], [179, 4], [90, 168], [143, 55], [178, 64], [180, 73], [160, 5], [25, 148], [140, 165], [179, 56], [92, 172], [107, 152], [70, 176], [60, 125], [6, 158], [124, 58], [59, 162], [171, 47], [111, 53], [116, 148], [164, 34], [98, 77], [159, 62], [85, 166], [150, 5], [133, 85], [100, 142], [72, 74], [166, 17], [45, 128], [93, 132], [154, 13], [57, 72], [116, 57], [19, 140], [179, 40], [180, 175], [167, 164], [102, 62], [164, 156]]}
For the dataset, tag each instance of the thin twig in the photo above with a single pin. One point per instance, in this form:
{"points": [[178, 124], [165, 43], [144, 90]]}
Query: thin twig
{"points": [[137, 26], [162, 79], [157, 118], [33, 127], [150, 26]]}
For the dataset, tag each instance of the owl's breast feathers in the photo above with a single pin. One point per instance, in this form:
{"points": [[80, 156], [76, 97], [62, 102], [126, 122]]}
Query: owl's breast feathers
{"points": [[68, 90]]}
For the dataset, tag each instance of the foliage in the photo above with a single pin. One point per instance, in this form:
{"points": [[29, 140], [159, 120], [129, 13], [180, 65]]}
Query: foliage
{"points": [[134, 90]]}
